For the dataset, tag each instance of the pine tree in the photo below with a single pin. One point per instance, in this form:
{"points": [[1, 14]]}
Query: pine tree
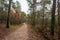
{"points": [[53, 19], [7, 25]]}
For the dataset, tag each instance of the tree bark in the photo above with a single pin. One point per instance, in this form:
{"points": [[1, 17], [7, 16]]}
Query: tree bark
{"points": [[53, 19], [43, 13], [58, 20], [34, 10], [7, 23]]}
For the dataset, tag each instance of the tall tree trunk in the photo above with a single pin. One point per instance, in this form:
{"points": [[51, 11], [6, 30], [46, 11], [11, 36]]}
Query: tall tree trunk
{"points": [[58, 14], [7, 25], [53, 19], [43, 13], [34, 8], [58, 20]]}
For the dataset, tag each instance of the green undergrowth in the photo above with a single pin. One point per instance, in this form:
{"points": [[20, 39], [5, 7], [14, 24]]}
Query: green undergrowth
{"points": [[13, 27], [34, 29]]}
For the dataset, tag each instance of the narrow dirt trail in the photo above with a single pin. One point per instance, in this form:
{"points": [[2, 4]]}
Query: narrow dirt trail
{"points": [[19, 34]]}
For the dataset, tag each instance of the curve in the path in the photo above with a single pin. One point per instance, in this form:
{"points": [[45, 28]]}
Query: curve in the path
{"points": [[19, 34]]}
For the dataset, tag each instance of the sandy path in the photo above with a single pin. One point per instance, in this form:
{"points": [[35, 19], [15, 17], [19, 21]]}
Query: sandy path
{"points": [[19, 34]]}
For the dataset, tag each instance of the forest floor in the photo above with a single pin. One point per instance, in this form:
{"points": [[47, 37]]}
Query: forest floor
{"points": [[22, 33]]}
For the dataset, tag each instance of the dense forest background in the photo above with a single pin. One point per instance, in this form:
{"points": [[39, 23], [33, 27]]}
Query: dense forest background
{"points": [[43, 15], [16, 16]]}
